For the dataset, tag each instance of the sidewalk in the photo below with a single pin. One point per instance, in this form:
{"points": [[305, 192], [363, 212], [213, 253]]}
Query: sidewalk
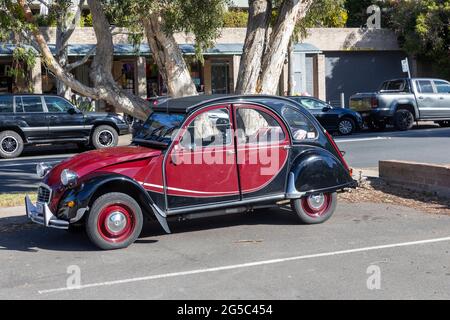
{"points": [[12, 211]]}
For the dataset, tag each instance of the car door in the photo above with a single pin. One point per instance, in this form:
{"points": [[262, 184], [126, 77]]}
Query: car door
{"points": [[64, 120], [427, 99], [443, 92], [31, 116], [201, 166], [263, 145]]}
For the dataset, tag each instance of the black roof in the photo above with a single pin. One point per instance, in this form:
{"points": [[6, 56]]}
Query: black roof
{"points": [[187, 104]]}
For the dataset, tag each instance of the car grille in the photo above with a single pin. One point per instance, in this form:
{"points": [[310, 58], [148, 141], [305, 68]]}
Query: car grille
{"points": [[44, 194]]}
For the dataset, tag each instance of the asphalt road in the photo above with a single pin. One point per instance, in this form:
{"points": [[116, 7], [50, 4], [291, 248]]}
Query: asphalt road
{"points": [[426, 143], [365, 251]]}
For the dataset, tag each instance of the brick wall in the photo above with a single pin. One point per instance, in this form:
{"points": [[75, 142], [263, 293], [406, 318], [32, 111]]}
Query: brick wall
{"points": [[417, 176]]}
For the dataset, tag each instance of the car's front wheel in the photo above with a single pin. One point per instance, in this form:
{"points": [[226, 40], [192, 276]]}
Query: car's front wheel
{"points": [[114, 221], [346, 126], [104, 137], [11, 144], [315, 208]]}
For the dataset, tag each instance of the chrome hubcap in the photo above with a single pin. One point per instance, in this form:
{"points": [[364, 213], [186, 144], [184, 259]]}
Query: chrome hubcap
{"points": [[106, 138], [116, 222], [316, 201], [345, 127], [9, 144]]}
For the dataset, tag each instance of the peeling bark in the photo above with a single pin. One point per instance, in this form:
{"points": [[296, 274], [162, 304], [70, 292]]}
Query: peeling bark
{"points": [[273, 60], [169, 59], [254, 46]]}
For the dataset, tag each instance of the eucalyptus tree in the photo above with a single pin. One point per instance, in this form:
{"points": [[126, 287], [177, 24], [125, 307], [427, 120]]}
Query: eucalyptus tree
{"points": [[273, 25], [160, 20]]}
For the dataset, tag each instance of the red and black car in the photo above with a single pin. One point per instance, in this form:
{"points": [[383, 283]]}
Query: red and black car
{"points": [[197, 157]]}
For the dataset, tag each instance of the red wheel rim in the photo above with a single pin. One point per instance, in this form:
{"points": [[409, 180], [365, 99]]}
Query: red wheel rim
{"points": [[116, 222], [316, 205]]}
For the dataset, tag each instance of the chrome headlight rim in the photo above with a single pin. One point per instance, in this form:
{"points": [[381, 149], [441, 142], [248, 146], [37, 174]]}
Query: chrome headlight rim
{"points": [[42, 169], [68, 177]]}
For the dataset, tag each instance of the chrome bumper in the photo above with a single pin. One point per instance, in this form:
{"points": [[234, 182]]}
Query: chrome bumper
{"points": [[41, 214]]}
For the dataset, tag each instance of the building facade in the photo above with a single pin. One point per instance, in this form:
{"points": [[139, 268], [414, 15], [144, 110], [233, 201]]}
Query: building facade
{"points": [[329, 63]]}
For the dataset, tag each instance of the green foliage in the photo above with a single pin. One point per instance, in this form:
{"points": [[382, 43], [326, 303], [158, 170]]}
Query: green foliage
{"points": [[24, 59], [322, 13], [203, 18], [46, 21], [86, 20], [423, 27], [235, 19], [357, 12]]}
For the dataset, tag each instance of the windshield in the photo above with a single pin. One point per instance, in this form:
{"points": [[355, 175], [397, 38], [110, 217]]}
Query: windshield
{"points": [[159, 128]]}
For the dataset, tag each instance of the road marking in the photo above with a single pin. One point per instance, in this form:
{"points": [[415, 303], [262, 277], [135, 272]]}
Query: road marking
{"points": [[244, 265], [362, 139]]}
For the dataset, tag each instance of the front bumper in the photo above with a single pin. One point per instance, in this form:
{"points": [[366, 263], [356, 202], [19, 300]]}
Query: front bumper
{"points": [[41, 214]]}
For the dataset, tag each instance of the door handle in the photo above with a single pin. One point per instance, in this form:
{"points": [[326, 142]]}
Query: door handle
{"points": [[230, 152], [420, 97], [441, 98], [287, 147]]}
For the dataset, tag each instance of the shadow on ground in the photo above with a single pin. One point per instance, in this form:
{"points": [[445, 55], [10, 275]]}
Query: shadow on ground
{"points": [[18, 234]]}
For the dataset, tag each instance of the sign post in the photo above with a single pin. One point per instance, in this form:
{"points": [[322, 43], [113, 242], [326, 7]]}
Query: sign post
{"points": [[405, 67]]}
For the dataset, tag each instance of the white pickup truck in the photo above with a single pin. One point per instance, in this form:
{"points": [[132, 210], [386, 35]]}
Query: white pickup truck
{"points": [[402, 101]]}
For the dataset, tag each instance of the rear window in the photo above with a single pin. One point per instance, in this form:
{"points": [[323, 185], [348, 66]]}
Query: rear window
{"points": [[32, 104], [395, 85], [442, 86], [6, 104]]}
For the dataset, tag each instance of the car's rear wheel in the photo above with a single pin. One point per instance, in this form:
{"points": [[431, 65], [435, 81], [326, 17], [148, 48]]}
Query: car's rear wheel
{"points": [[315, 208], [11, 144], [346, 126], [114, 222], [403, 120], [104, 137]]}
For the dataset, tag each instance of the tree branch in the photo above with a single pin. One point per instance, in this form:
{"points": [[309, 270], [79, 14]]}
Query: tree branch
{"points": [[78, 63]]}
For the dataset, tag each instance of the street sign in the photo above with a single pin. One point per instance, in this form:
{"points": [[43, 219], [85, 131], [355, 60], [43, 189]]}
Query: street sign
{"points": [[405, 67]]}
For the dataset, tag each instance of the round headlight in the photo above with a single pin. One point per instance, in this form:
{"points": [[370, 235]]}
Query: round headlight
{"points": [[68, 177], [42, 169]]}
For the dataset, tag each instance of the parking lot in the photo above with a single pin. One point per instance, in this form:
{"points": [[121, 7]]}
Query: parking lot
{"points": [[264, 255], [260, 255]]}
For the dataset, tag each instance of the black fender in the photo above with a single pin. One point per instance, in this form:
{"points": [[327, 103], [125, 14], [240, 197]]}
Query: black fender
{"points": [[315, 171], [83, 193]]}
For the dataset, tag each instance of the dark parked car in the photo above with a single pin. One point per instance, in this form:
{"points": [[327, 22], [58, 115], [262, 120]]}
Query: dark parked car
{"points": [[334, 119], [197, 157], [46, 119]]}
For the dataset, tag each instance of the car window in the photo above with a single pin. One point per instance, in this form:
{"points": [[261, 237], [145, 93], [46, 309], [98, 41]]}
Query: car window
{"points": [[312, 103], [6, 104], [257, 127], [395, 85], [32, 104], [442, 86], [424, 86], [55, 104], [302, 128], [19, 105], [210, 128]]}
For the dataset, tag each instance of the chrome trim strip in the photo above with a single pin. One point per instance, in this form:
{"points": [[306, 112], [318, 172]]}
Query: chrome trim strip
{"points": [[292, 192]]}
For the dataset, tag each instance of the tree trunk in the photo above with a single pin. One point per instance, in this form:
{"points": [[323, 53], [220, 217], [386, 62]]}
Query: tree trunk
{"points": [[254, 46], [62, 55], [274, 58], [169, 59], [101, 69]]}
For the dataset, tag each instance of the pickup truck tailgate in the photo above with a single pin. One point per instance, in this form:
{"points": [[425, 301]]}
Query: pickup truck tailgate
{"points": [[361, 102]]}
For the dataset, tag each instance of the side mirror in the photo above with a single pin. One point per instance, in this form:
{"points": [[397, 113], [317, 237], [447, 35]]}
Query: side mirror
{"points": [[325, 109], [72, 111]]}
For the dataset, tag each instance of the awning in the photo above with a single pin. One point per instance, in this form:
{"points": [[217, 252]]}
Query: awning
{"points": [[144, 49]]}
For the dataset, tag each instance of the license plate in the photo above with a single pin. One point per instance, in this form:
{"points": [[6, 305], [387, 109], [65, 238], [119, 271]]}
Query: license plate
{"points": [[39, 208]]}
